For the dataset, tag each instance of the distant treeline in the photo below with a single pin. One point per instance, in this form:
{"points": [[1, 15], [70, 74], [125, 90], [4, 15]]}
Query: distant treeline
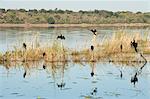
{"points": [[58, 16]]}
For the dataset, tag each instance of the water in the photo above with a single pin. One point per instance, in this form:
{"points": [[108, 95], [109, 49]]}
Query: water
{"points": [[42, 83]]}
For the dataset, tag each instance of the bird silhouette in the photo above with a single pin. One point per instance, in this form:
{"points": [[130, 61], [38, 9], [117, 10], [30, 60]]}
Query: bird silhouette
{"points": [[134, 44], [94, 31], [61, 37], [44, 54], [24, 46], [44, 66], [121, 47], [92, 47]]}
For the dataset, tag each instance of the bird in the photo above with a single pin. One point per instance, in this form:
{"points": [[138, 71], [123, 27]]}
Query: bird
{"points": [[134, 44], [24, 45], [121, 47], [94, 31], [134, 79], [92, 47], [44, 67], [44, 54], [61, 37]]}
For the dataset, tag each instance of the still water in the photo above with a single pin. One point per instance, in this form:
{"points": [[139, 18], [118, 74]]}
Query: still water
{"points": [[110, 81]]}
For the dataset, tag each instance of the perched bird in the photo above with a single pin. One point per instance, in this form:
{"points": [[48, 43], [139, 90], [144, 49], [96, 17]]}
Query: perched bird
{"points": [[135, 45], [61, 37], [94, 31], [92, 47], [134, 79], [121, 47], [24, 46], [44, 67], [44, 54]]}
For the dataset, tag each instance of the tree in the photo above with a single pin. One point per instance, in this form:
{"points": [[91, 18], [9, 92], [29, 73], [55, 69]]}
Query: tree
{"points": [[22, 10], [2, 10]]}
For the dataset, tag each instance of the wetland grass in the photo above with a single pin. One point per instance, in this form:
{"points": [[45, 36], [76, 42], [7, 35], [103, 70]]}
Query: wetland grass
{"points": [[112, 49]]}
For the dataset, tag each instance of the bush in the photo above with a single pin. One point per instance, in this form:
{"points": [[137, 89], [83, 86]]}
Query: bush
{"points": [[51, 20]]}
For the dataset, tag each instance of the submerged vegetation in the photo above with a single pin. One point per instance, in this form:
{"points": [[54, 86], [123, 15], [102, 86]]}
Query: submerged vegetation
{"points": [[58, 16]]}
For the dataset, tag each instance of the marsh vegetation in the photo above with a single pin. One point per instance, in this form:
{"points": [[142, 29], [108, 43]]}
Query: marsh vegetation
{"points": [[83, 65]]}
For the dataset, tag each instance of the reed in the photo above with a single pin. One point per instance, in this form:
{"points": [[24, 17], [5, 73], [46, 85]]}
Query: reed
{"points": [[107, 50]]}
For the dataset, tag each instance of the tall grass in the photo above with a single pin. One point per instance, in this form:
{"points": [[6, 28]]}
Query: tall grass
{"points": [[107, 50]]}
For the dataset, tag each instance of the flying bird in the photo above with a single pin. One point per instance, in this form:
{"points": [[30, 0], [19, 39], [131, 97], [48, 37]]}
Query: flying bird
{"points": [[94, 31]]}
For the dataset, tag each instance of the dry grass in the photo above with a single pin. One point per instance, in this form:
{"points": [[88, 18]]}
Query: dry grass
{"points": [[108, 50]]}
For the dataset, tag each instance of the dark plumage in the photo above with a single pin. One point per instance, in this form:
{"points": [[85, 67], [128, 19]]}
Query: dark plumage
{"points": [[121, 47], [92, 47], [61, 37], [24, 46], [94, 31], [44, 54], [44, 67], [135, 45]]}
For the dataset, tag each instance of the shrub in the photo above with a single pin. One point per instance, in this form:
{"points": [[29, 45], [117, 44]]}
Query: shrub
{"points": [[51, 20]]}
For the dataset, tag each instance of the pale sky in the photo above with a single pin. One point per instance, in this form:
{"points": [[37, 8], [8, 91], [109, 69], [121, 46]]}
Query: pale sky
{"points": [[75, 5]]}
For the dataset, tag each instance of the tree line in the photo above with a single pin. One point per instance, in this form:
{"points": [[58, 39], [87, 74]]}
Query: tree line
{"points": [[59, 16]]}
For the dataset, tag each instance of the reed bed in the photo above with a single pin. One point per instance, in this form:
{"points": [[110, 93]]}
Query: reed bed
{"points": [[107, 50]]}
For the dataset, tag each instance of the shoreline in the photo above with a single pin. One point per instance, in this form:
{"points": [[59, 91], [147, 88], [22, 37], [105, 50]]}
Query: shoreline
{"points": [[72, 25]]}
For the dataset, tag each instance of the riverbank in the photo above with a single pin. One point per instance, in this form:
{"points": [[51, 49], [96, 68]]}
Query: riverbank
{"points": [[73, 25]]}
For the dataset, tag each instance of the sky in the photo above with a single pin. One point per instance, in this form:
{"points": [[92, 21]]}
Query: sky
{"points": [[76, 5]]}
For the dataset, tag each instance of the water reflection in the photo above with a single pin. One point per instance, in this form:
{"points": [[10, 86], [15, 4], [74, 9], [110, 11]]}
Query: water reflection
{"points": [[73, 79]]}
